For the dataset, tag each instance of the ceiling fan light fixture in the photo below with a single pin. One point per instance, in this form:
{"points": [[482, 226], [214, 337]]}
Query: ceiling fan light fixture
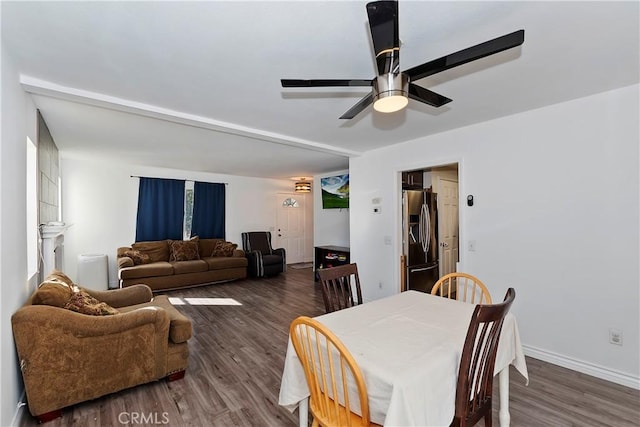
{"points": [[390, 92]]}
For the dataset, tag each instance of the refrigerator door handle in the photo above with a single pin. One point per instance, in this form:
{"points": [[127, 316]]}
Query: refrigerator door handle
{"points": [[421, 230], [425, 221]]}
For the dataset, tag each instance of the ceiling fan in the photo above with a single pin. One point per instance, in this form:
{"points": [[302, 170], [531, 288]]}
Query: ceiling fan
{"points": [[391, 88]]}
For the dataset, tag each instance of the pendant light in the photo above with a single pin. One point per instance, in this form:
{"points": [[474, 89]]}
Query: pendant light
{"points": [[303, 186]]}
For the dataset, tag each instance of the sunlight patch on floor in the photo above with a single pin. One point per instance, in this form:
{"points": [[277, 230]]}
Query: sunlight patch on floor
{"points": [[203, 301]]}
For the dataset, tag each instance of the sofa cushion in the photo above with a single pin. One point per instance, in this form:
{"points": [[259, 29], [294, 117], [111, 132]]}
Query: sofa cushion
{"points": [[195, 266], [207, 246], [158, 251], [179, 325], [223, 248], [183, 250], [84, 303], [147, 270], [218, 263], [52, 293]]}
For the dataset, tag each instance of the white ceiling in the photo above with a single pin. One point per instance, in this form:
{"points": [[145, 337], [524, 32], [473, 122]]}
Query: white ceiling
{"points": [[196, 85]]}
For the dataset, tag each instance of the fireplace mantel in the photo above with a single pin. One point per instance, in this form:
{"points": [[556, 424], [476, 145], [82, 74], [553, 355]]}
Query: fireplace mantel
{"points": [[52, 236]]}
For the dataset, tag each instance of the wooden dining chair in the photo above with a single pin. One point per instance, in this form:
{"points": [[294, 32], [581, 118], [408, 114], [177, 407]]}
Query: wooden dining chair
{"points": [[475, 375], [329, 367], [339, 285], [462, 287]]}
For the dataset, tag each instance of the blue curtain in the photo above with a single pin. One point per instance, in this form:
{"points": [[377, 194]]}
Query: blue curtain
{"points": [[208, 210], [160, 209]]}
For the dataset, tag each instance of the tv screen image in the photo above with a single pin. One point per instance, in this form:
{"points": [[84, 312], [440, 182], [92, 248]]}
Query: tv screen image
{"points": [[335, 191]]}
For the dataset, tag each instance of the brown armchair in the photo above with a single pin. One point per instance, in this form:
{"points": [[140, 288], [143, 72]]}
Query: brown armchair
{"points": [[67, 357]]}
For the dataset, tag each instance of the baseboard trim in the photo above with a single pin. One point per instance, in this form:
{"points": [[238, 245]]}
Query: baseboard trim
{"points": [[597, 371]]}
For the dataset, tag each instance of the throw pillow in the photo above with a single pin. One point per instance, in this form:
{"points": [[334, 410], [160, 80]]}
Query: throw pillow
{"points": [[183, 250], [52, 293], [82, 302], [223, 248], [137, 257], [158, 250], [59, 276]]}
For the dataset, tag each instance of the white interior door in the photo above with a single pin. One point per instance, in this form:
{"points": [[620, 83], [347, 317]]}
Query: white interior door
{"points": [[448, 225], [290, 229]]}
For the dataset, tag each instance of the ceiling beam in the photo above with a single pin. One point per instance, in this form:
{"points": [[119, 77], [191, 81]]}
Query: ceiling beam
{"points": [[53, 90]]}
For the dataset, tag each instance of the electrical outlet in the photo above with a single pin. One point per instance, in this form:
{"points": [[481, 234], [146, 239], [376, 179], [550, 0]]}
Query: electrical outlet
{"points": [[380, 285], [471, 245], [615, 336]]}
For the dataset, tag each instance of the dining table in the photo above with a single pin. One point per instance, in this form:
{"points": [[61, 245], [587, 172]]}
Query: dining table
{"points": [[408, 347]]}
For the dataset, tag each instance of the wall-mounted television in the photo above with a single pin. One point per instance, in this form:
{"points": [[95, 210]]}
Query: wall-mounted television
{"points": [[335, 191]]}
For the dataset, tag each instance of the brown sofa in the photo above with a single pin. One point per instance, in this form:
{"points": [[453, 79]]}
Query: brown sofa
{"points": [[67, 357], [170, 264]]}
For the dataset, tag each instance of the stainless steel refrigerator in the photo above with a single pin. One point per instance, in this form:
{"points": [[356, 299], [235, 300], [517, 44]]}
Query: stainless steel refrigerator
{"points": [[420, 239]]}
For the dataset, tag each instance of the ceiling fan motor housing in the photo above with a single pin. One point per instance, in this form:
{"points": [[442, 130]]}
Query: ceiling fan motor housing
{"points": [[393, 86]]}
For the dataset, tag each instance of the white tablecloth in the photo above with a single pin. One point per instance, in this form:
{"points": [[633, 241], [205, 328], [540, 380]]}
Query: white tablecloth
{"points": [[408, 347]]}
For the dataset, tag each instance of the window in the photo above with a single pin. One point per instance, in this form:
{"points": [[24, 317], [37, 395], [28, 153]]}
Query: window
{"points": [[32, 208], [290, 202], [188, 209], [175, 209]]}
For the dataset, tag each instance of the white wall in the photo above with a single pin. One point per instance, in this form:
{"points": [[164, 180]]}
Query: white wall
{"points": [[100, 200], [17, 121], [330, 226], [555, 216]]}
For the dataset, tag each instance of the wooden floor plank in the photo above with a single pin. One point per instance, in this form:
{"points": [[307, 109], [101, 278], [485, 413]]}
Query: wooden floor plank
{"points": [[237, 356]]}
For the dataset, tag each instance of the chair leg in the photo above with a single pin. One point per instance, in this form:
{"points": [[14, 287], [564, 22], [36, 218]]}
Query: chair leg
{"points": [[488, 419], [315, 423], [43, 418], [176, 376]]}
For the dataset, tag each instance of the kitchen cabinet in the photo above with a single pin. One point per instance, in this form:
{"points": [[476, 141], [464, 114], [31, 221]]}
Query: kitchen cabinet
{"points": [[413, 180]]}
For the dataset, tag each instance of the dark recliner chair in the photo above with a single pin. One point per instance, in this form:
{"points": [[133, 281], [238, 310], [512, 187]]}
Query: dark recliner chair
{"points": [[263, 259]]}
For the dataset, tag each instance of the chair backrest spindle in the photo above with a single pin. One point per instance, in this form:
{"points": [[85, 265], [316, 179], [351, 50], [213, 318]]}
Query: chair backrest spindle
{"points": [[328, 366], [340, 287], [462, 287]]}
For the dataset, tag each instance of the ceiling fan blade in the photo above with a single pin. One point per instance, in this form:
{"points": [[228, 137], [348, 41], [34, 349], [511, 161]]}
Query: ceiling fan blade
{"points": [[325, 82], [467, 55], [383, 24], [421, 94], [356, 109]]}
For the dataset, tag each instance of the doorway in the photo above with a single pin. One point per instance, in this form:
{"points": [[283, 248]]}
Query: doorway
{"points": [[290, 232], [443, 182]]}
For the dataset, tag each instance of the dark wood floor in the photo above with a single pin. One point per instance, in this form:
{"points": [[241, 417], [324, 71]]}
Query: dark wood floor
{"points": [[237, 356]]}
